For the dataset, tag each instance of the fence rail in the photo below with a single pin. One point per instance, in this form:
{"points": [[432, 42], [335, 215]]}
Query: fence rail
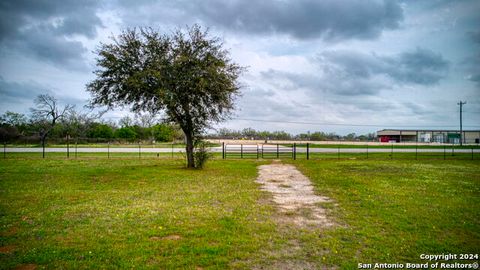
{"points": [[305, 151], [253, 151]]}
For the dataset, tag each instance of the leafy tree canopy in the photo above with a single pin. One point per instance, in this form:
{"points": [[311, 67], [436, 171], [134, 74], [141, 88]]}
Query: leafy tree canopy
{"points": [[101, 131], [186, 75], [126, 133]]}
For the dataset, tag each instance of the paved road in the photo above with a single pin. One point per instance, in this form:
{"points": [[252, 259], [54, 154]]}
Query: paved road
{"points": [[219, 149]]}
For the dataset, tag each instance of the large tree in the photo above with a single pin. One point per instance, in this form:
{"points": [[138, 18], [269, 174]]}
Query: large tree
{"points": [[187, 75]]}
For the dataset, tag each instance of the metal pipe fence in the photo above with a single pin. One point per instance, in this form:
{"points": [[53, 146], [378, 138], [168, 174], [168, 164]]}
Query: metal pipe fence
{"points": [[249, 151], [306, 151]]}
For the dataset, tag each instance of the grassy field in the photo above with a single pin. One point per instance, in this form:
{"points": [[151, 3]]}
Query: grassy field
{"points": [[153, 213], [393, 211], [129, 213]]}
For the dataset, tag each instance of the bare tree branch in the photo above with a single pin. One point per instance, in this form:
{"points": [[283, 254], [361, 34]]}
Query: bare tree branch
{"points": [[47, 113]]}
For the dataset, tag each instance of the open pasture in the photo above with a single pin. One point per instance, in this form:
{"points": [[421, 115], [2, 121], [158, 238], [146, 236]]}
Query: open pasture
{"points": [[152, 213]]}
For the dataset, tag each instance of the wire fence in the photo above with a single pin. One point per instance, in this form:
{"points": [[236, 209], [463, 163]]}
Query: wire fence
{"points": [[246, 151], [99, 149], [307, 151]]}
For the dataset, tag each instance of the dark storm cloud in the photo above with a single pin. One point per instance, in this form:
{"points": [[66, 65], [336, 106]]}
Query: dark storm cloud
{"points": [[346, 74], [18, 93], [471, 66], [421, 66], [302, 19], [46, 46], [41, 29], [474, 36], [333, 81], [475, 78], [72, 17], [307, 18]]}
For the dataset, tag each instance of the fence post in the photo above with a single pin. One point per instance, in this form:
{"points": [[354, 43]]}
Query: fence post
{"points": [[338, 152], [277, 150], [262, 149], [172, 148], [257, 150], [43, 148], [416, 150], [68, 146], [4, 150], [108, 149], [444, 152], [241, 150], [367, 150], [294, 151], [472, 153], [223, 150], [76, 140], [308, 151]]}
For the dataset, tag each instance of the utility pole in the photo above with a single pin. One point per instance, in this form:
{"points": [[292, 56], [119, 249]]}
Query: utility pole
{"points": [[461, 107]]}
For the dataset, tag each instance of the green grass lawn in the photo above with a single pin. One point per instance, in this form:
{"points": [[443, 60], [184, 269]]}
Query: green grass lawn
{"points": [[393, 211], [152, 213], [127, 213]]}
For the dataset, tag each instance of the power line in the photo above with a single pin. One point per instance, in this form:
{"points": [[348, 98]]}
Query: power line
{"points": [[342, 124]]}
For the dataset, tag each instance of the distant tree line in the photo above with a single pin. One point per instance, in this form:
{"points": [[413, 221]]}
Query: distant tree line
{"points": [[47, 119], [249, 133], [62, 123], [84, 127]]}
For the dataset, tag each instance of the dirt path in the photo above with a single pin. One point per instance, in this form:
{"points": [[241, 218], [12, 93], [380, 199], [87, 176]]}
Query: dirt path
{"points": [[293, 194]]}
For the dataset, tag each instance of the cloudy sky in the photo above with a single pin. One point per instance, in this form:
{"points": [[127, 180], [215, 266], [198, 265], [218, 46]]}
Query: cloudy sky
{"points": [[326, 65]]}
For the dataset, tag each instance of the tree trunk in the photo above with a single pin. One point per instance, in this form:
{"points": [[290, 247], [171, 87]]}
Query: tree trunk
{"points": [[189, 149]]}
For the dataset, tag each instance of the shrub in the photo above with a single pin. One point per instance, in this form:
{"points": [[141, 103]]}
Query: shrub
{"points": [[201, 154]]}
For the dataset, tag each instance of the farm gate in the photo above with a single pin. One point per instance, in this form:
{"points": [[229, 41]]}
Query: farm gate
{"points": [[257, 151]]}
